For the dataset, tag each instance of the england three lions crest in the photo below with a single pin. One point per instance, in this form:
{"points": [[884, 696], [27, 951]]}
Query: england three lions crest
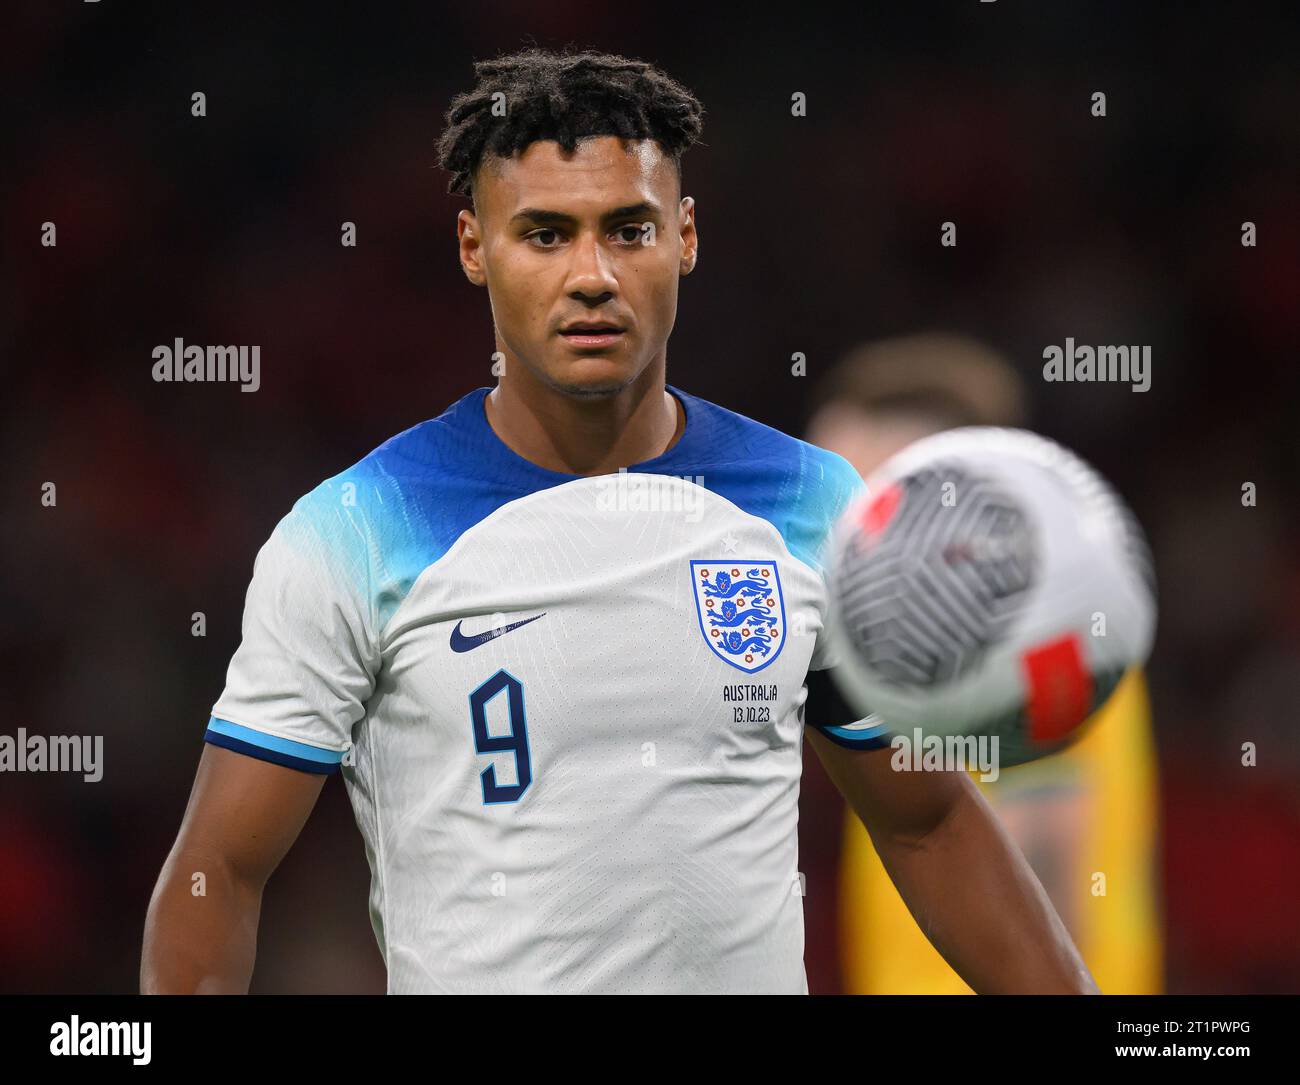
{"points": [[741, 610]]}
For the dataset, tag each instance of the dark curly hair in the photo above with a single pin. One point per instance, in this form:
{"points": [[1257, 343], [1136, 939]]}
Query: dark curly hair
{"points": [[564, 96]]}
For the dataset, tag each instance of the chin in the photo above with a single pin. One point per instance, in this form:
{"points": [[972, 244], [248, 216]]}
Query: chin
{"points": [[591, 376]]}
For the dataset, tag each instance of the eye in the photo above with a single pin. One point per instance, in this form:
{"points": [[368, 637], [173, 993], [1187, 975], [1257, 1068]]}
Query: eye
{"points": [[636, 233], [538, 233]]}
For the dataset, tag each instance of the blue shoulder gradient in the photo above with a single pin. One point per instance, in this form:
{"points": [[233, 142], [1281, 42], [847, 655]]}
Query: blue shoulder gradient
{"points": [[797, 487], [399, 509]]}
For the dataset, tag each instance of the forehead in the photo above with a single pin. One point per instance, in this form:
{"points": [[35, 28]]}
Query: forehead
{"points": [[601, 171]]}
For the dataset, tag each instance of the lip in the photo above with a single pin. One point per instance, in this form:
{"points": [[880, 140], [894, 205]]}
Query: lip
{"points": [[583, 338]]}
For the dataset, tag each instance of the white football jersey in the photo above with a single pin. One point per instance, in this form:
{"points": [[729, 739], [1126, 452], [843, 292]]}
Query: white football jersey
{"points": [[568, 710]]}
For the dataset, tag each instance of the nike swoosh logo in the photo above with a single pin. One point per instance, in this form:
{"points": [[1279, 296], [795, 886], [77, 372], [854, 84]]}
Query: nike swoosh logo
{"points": [[462, 643]]}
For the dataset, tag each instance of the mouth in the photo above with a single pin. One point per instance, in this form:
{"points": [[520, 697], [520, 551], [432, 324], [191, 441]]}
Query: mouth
{"points": [[592, 334]]}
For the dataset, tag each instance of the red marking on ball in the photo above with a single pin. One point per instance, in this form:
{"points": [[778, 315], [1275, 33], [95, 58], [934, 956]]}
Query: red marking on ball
{"points": [[880, 510], [1060, 688]]}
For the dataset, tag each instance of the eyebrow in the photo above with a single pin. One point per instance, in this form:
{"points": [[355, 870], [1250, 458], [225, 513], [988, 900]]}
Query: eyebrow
{"points": [[559, 218]]}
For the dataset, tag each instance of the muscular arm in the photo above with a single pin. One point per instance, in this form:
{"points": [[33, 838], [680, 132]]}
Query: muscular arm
{"points": [[963, 879], [242, 817]]}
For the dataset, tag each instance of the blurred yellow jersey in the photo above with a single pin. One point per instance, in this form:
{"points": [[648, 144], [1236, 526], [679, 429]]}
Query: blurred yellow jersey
{"points": [[1085, 819]]}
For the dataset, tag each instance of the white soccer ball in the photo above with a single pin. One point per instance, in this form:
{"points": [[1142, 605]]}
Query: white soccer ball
{"points": [[988, 583]]}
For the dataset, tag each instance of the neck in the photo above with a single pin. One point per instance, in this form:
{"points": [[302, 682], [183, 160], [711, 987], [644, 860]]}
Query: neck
{"points": [[584, 435]]}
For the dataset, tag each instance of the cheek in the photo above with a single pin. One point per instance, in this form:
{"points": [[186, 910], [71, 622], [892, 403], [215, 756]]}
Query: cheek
{"points": [[520, 295], [656, 288]]}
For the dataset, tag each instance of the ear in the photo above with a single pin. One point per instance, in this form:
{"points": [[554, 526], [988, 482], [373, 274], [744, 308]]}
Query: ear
{"points": [[469, 236], [690, 239]]}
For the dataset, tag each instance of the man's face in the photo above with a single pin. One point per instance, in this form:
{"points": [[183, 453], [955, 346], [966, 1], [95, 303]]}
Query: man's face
{"points": [[601, 236]]}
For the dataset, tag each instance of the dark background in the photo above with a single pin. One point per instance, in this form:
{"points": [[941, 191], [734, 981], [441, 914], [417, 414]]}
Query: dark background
{"points": [[816, 233]]}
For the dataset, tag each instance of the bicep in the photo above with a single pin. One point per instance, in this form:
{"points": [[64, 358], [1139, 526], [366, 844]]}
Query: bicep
{"points": [[245, 812], [893, 804]]}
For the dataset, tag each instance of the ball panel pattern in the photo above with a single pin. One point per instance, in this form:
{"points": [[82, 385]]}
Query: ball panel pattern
{"points": [[928, 591]]}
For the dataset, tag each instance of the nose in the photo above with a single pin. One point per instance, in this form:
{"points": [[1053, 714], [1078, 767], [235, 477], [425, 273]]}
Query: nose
{"points": [[591, 272]]}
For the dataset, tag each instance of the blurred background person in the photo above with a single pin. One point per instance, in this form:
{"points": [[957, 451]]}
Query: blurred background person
{"points": [[1085, 818]]}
